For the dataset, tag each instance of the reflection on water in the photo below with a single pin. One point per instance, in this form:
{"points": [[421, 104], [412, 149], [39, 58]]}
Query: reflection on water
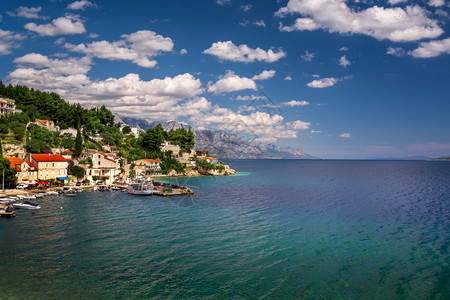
{"points": [[282, 229]]}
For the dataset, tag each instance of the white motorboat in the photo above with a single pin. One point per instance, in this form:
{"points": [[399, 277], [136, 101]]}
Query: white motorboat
{"points": [[52, 193], [27, 205], [6, 200], [142, 187]]}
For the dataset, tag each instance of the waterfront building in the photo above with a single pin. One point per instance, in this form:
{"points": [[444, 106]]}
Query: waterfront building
{"points": [[146, 164], [7, 106], [105, 167], [26, 171], [50, 166]]}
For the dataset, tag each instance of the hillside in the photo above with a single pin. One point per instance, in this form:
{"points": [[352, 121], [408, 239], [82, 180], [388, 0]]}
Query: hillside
{"points": [[223, 144]]}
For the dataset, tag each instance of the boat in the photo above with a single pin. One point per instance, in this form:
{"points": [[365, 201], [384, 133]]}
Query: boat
{"points": [[6, 200], [27, 205], [142, 187], [52, 193], [102, 188], [7, 210]]}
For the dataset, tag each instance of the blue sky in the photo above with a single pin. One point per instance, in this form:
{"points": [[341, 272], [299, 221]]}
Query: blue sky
{"points": [[336, 78]]}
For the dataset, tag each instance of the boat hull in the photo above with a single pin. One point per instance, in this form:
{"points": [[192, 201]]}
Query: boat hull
{"points": [[140, 193]]}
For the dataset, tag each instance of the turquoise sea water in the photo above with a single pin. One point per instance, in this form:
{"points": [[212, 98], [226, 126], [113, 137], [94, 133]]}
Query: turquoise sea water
{"points": [[279, 230]]}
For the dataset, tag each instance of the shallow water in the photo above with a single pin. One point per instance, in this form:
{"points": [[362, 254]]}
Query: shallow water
{"points": [[281, 230]]}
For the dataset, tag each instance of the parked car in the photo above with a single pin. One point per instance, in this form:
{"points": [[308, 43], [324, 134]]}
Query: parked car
{"points": [[21, 186]]}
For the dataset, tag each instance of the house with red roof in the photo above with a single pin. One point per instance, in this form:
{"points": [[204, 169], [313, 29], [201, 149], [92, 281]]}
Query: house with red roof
{"points": [[146, 164], [26, 171], [49, 124], [50, 166], [105, 167]]}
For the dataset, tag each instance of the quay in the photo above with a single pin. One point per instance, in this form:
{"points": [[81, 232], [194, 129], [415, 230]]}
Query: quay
{"points": [[173, 191]]}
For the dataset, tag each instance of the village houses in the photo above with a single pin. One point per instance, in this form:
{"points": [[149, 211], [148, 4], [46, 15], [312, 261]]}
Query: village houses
{"points": [[26, 171], [104, 167], [50, 166], [50, 125], [146, 164], [7, 106]]}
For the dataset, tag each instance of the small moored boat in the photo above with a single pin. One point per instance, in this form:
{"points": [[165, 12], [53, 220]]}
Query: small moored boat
{"points": [[27, 205], [7, 210]]}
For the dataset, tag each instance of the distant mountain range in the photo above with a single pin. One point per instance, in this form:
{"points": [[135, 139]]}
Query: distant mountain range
{"points": [[221, 144]]}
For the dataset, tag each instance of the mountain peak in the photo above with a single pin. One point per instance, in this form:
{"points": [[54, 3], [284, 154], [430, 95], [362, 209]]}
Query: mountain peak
{"points": [[224, 145]]}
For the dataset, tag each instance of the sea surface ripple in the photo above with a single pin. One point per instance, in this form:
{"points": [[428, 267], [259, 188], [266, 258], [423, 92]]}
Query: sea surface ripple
{"points": [[280, 229]]}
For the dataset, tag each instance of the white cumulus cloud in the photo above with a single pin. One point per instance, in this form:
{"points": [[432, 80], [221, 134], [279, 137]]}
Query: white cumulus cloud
{"points": [[232, 83], [81, 5], [242, 53], [69, 78], [345, 135], [322, 83], [9, 40], [395, 51], [299, 125], [137, 47], [395, 2], [28, 12], [432, 48], [264, 75], [69, 24], [260, 23], [343, 61], [295, 103], [396, 24], [436, 3]]}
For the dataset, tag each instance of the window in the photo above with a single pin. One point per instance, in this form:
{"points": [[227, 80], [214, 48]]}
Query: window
{"points": [[99, 163], [53, 164]]}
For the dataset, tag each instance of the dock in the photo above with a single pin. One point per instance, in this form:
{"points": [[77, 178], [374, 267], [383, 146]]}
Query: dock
{"points": [[163, 191]]}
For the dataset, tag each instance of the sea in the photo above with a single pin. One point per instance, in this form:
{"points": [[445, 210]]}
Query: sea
{"points": [[278, 229]]}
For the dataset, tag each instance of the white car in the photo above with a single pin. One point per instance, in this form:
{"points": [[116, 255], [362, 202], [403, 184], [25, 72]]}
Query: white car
{"points": [[21, 186]]}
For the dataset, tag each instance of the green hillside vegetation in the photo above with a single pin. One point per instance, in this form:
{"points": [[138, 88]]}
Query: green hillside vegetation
{"points": [[36, 104]]}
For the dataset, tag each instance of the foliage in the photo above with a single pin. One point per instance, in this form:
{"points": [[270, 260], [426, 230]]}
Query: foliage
{"points": [[76, 171], [183, 138], [10, 173], [111, 135], [40, 139], [78, 144], [50, 106], [126, 130], [153, 138], [169, 163], [202, 163], [67, 141]]}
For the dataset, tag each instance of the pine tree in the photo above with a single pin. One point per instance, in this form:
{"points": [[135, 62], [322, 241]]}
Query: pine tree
{"points": [[78, 143]]}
